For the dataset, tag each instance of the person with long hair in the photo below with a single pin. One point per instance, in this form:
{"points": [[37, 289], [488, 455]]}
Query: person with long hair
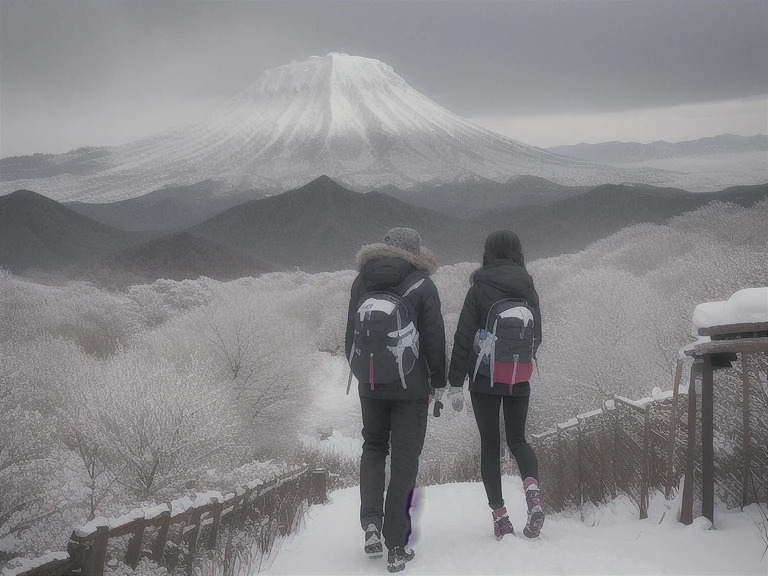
{"points": [[502, 279]]}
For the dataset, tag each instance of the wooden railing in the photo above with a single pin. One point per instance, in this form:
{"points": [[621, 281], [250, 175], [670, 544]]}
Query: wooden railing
{"points": [[635, 446], [187, 524]]}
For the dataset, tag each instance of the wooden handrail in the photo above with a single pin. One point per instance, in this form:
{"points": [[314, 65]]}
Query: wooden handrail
{"points": [[88, 544]]}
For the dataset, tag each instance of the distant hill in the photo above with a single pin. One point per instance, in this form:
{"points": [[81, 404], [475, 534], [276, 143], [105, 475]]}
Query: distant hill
{"points": [[473, 197], [570, 225], [80, 162], [321, 226], [628, 152], [37, 232], [170, 209], [176, 257]]}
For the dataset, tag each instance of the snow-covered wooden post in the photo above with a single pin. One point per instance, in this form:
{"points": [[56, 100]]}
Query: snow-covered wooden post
{"points": [[605, 439], [579, 461], [747, 432], [673, 429], [738, 325], [686, 511], [646, 456], [191, 540], [134, 544], [213, 535], [319, 491], [616, 452], [707, 441], [88, 547], [158, 546], [560, 480]]}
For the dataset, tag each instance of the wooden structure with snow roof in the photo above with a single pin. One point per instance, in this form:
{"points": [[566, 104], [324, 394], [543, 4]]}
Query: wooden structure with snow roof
{"points": [[717, 348]]}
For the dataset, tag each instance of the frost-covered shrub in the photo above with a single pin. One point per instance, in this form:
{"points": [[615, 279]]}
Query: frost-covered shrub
{"points": [[163, 299], [156, 424], [97, 321], [42, 500]]}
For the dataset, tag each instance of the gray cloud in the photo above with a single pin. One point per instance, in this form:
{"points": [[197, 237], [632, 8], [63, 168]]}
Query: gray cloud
{"points": [[66, 58]]}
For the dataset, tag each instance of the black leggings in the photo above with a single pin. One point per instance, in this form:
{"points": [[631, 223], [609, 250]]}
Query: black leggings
{"points": [[486, 408]]}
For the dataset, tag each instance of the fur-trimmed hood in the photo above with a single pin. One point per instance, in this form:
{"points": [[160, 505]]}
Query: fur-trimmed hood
{"points": [[424, 261]]}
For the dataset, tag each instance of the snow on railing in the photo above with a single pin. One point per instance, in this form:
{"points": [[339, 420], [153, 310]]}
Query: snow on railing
{"points": [[187, 524]]}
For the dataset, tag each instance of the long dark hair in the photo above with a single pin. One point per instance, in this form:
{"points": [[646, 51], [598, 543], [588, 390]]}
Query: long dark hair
{"points": [[503, 245]]}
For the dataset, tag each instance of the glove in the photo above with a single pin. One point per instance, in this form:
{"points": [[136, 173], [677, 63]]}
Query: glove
{"points": [[437, 393], [456, 397]]}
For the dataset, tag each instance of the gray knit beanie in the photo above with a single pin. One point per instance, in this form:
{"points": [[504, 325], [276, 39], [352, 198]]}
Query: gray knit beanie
{"points": [[405, 239]]}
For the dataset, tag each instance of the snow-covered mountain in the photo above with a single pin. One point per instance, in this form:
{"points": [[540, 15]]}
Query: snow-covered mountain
{"points": [[349, 117]]}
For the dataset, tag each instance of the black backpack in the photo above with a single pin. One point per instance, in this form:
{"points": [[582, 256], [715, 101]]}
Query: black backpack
{"points": [[503, 348], [385, 347]]}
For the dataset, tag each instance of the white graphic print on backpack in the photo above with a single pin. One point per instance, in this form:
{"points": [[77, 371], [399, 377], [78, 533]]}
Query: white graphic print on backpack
{"points": [[386, 343], [504, 346]]}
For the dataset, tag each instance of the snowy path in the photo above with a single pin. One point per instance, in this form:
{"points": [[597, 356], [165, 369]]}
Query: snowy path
{"points": [[452, 535]]}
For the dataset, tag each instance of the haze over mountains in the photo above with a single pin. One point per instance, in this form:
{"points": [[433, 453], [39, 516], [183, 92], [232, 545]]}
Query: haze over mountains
{"points": [[349, 117], [629, 152]]}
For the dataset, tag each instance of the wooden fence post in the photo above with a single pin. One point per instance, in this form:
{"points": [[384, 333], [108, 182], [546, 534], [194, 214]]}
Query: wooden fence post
{"points": [[580, 464], [605, 439], [745, 427], [560, 490], [91, 550], [707, 442], [319, 492], [195, 520], [215, 525], [673, 429], [686, 511], [644, 472], [616, 451], [134, 546], [158, 546], [244, 508]]}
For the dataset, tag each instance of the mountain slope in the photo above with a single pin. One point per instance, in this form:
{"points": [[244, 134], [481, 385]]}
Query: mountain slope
{"points": [[37, 232], [350, 117], [321, 226], [571, 224], [176, 257], [173, 208]]}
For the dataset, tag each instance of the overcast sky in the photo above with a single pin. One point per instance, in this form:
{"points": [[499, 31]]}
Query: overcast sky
{"points": [[76, 73]]}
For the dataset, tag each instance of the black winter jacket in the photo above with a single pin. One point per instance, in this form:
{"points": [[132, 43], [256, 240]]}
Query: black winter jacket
{"points": [[491, 283], [384, 267]]}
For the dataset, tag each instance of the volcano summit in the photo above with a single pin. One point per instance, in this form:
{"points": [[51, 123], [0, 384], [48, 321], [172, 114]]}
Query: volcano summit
{"points": [[349, 117]]}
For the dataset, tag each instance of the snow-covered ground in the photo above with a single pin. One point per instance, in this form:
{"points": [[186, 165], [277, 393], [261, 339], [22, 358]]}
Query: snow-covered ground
{"points": [[453, 535], [332, 409]]}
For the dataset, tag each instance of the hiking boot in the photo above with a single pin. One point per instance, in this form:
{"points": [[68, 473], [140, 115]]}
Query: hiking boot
{"points": [[397, 557], [373, 546], [535, 512], [501, 523]]}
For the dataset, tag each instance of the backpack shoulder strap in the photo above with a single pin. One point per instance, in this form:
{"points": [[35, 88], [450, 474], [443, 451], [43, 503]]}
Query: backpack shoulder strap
{"points": [[411, 283]]}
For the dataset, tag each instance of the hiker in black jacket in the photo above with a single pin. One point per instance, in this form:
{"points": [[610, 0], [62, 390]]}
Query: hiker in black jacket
{"points": [[502, 276], [395, 410]]}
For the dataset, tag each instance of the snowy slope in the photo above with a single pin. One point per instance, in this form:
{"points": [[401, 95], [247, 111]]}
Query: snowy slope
{"points": [[453, 535], [349, 117]]}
